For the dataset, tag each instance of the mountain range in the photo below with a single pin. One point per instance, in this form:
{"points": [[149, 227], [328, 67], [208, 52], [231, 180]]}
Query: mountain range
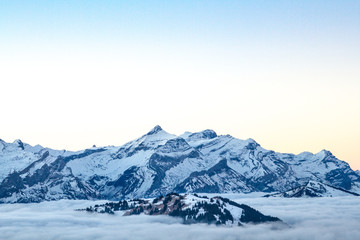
{"points": [[159, 163]]}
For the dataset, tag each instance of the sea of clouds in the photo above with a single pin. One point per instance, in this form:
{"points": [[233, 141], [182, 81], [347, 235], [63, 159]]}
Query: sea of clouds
{"points": [[315, 218]]}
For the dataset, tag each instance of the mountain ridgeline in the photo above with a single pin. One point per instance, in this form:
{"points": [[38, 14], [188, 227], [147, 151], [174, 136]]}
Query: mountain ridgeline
{"points": [[159, 163]]}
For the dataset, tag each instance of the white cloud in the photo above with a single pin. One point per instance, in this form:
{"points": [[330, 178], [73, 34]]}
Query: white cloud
{"points": [[321, 218]]}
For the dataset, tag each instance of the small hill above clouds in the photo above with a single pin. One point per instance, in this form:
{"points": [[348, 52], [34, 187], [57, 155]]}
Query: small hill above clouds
{"points": [[158, 163], [191, 209]]}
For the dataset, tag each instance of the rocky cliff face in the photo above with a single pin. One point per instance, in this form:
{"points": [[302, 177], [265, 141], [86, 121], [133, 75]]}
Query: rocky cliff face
{"points": [[159, 163]]}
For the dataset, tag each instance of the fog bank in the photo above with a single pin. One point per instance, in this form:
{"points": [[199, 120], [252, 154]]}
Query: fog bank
{"points": [[320, 218]]}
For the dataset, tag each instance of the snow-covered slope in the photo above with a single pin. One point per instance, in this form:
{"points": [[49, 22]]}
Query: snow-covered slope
{"points": [[314, 189], [160, 163]]}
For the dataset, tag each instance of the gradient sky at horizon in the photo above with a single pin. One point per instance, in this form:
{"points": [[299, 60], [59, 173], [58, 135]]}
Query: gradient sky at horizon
{"points": [[285, 73]]}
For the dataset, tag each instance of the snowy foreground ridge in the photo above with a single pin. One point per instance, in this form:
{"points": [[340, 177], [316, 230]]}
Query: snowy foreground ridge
{"points": [[190, 208], [159, 163], [314, 189]]}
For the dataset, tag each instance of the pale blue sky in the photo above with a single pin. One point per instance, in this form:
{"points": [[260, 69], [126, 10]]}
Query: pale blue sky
{"points": [[286, 73]]}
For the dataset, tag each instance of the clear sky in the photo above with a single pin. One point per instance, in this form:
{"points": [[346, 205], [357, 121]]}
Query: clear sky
{"points": [[285, 73]]}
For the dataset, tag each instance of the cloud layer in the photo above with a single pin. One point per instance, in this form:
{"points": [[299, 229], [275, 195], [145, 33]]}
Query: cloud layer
{"points": [[322, 218]]}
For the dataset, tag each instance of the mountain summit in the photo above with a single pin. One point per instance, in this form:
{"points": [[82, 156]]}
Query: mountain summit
{"points": [[159, 163], [155, 130]]}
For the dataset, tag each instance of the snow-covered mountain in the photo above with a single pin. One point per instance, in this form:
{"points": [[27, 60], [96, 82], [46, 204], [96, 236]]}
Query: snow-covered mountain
{"points": [[18, 155], [159, 163], [190, 208], [314, 189]]}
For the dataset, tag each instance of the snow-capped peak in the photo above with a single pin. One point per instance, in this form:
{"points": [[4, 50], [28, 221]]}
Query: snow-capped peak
{"points": [[174, 144], [157, 134], [155, 130], [324, 153], [206, 134], [19, 143], [252, 144]]}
